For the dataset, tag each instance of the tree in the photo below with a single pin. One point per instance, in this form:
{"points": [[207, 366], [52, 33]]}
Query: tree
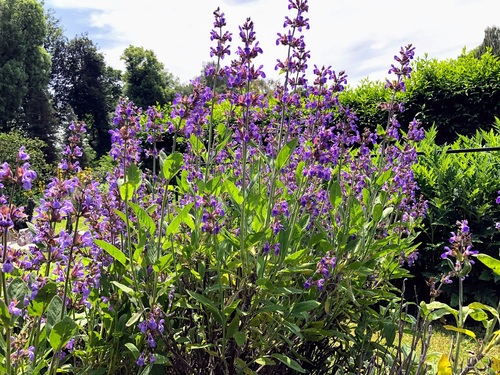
{"points": [[491, 40], [146, 80], [84, 87], [25, 72]]}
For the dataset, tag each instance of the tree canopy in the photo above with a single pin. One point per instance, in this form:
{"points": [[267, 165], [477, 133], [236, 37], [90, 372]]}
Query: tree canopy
{"points": [[84, 85], [147, 82], [25, 71]]}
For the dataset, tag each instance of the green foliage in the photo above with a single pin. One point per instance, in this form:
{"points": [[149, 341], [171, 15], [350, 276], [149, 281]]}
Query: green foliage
{"points": [[25, 72], [459, 96], [146, 80], [9, 147], [459, 186], [365, 100], [84, 86]]}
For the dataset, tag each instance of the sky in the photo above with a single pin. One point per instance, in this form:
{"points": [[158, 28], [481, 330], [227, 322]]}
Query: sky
{"points": [[360, 37]]}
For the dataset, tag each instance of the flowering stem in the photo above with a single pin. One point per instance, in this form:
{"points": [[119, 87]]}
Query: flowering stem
{"points": [[460, 323], [7, 350], [162, 217], [211, 122], [2, 275], [127, 224], [68, 267], [243, 228]]}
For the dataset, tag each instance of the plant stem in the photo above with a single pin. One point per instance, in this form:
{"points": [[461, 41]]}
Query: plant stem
{"points": [[460, 324], [68, 267]]}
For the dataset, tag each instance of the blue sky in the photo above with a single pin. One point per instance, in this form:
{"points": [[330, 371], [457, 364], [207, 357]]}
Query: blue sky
{"points": [[358, 36]]}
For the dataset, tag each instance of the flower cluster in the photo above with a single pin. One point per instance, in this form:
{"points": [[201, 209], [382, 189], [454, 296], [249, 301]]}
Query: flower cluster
{"points": [[73, 151], [324, 269], [152, 327], [461, 251], [403, 70], [23, 175]]}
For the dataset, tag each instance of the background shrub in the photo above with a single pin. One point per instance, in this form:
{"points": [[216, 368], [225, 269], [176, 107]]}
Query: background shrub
{"points": [[458, 95], [9, 146], [459, 186]]}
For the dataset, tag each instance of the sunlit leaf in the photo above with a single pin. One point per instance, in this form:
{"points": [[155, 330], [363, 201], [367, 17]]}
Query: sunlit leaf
{"points": [[112, 250], [62, 332], [490, 262], [294, 365], [467, 332], [444, 366], [285, 153]]}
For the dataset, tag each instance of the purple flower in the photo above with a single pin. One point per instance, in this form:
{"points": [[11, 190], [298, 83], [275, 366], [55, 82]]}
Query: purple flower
{"points": [[31, 353], [320, 284], [27, 177], [415, 132], [7, 266], [22, 155], [266, 248], [140, 361], [447, 253], [13, 310], [308, 283]]}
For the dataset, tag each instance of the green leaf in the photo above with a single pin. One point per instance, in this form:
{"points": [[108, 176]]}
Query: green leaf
{"points": [[377, 212], [285, 153], [240, 338], [478, 315], [233, 191], [112, 250], [229, 309], [161, 359], [294, 257], [233, 327], [143, 217], [134, 176], [439, 305], [182, 217], [293, 328], [468, 332], [172, 165], [299, 171], [208, 304], [4, 314], [163, 262], [133, 349], [53, 313], [304, 306], [126, 191], [37, 307], [479, 305], [134, 318], [490, 262], [264, 361], [62, 332], [196, 145], [17, 289], [335, 194], [46, 292], [294, 365], [384, 177], [124, 288]]}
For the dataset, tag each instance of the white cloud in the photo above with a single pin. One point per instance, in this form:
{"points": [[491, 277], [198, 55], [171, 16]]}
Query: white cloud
{"points": [[178, 31]]}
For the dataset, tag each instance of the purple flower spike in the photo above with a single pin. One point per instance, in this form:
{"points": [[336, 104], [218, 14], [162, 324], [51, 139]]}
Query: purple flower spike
{"points": [[22, 155]]}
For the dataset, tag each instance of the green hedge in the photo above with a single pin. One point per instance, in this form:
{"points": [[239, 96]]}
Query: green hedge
{"points": [[458, 95], [459, 186]]}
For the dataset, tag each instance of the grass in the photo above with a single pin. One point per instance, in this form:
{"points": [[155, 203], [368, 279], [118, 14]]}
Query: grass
{"points": [[441, 342]]}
